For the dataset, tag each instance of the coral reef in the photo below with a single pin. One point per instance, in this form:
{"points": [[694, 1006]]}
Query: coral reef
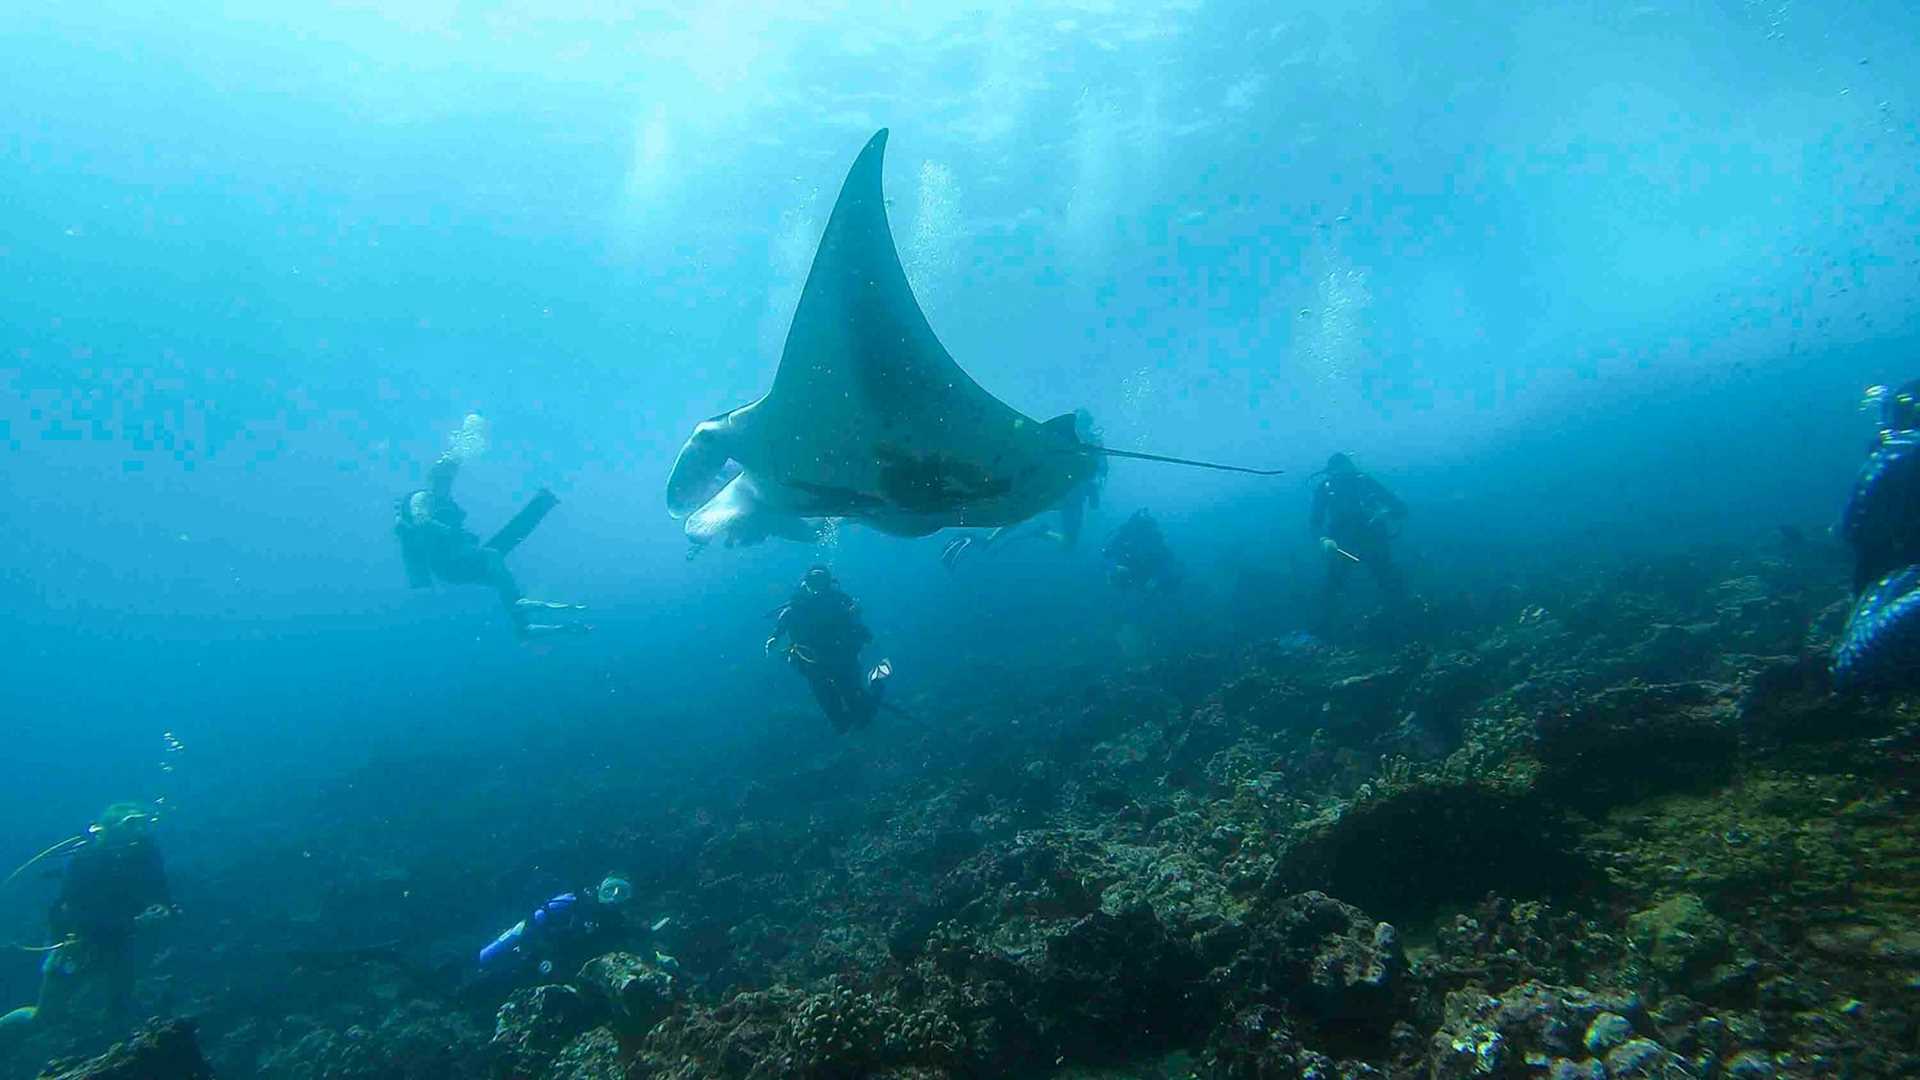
{"points": [[159, 1051], [1606, 823]]}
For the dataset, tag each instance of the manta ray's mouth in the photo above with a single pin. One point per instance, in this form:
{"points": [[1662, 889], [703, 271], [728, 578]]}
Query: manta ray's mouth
{"points": [[702, 470]]}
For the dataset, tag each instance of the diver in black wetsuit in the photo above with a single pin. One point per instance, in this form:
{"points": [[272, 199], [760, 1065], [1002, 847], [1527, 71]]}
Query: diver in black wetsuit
{"points": [[824, 636], [114, 883], [1355, 519], [436, 545], [1881, 645], [1138, 557]]}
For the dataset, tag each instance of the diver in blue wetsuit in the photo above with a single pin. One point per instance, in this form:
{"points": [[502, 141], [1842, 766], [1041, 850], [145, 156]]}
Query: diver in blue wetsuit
{"points": [[436, 545], [1880, 647], [561, 934]]}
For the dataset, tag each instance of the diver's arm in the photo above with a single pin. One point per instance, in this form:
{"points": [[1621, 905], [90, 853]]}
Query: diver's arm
{"points": [[1395, 507], [153, 884], [1317, 517], [60, 920], [1853, 515], [856, 627], [1892, 468], [780, 629], [440, 477]]}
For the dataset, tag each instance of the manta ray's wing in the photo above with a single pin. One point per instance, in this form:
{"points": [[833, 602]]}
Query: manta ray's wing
{"points": [[869, 416]]}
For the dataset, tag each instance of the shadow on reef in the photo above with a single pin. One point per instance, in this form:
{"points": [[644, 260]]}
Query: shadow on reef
{"points": [[1616, 826], [1411, 854]]}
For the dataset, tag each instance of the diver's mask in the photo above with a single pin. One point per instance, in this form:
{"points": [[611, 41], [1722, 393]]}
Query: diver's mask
{"points": [[614, 890], [1899, 407], [123, 824]]}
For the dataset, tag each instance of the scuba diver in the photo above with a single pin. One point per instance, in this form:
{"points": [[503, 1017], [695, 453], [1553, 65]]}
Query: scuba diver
{"points": [[1137, 557], [563, 933], [1880, 647], [114, 884], [436, 545], [824, 637], [1355, 518], [1072, 509]]}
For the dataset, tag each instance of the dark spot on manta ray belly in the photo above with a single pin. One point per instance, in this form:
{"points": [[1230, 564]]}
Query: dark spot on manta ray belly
{"points": [[934, 482], [828, 500]]}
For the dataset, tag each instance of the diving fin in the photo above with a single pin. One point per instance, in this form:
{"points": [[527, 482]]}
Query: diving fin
{"points": [[529, 604], [524, 522]]}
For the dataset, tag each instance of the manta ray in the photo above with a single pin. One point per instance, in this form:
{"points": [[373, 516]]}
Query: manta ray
{"points": [[740, 514], [869, 417]]}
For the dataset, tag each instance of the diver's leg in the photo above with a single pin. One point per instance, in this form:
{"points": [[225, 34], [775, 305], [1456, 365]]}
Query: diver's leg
{"points": [[1338, 570], [53, 976], [523, 523], [500, 577], [1880, 647], [501, 580], [1386, 575], [1073, 516], [873, 691], [826, 693], [851, 685], [520, 609], [68, 990], [861, 692], [115, 972]]}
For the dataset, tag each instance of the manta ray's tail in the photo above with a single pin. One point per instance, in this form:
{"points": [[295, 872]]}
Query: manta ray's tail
{"points": [[1110, 452]]}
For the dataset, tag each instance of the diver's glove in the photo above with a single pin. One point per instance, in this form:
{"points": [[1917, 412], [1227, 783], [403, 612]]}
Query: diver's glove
{"points": [[1333, 550]]}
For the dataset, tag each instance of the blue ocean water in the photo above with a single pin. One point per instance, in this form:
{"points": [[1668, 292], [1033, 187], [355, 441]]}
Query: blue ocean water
{"points": [[1568, 276]]}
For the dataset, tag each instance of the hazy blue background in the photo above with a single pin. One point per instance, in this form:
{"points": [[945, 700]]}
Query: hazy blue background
{"points": [[1557, 272]]}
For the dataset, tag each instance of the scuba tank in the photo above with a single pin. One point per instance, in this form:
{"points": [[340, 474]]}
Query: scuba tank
{"points": [[504, 945], [555, 914]]}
